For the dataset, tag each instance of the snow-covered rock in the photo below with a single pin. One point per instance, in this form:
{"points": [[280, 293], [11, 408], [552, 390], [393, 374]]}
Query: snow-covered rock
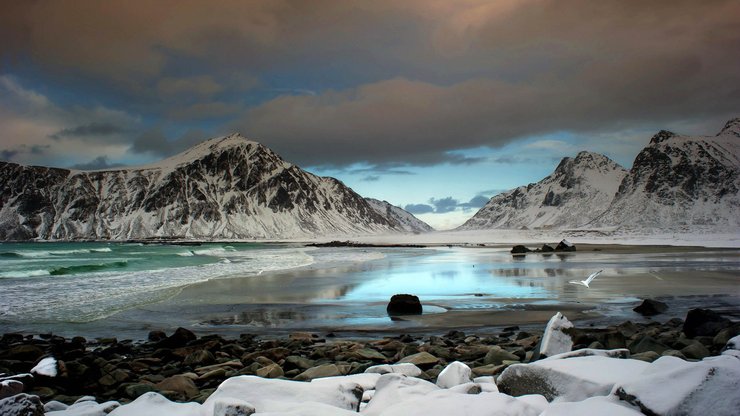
{"points": [[276, 395], [407, 369], [446, 403], [577, 191], [569, 379], [396, 388], [86, 408], [226, 187], [600, 405], [154, 404], [554, 341], [46, 367], [733, 343], [21, 405], [454, 374], [672, 386]]}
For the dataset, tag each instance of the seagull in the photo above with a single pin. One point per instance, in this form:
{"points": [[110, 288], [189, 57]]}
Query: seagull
{"points": [[588, 280]]}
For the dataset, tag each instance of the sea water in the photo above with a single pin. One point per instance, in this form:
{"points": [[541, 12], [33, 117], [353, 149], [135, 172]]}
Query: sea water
{"points": [[81, 282]]}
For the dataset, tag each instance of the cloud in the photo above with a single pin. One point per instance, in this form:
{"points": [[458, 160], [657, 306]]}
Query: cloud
{"points": [[419, 208], [204, 111], [155, 142], [476, 202], [444, 205], [99, 163], [203, 85], [371, 178], [94, 130]]}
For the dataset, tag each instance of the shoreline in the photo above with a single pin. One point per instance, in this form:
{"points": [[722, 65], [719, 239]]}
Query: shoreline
{"points": [[122, 370]]}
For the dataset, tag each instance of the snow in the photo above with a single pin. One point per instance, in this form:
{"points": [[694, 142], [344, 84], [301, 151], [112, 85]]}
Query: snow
{"points": [[46, 367], [733, 343], [396, 388], [408, 369], [601, 406], [153, 404], [445, 403], [454, 374], [554, 340], [86, 408]]}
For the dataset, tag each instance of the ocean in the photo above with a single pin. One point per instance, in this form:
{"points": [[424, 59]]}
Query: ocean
{"points": [[82, 282]]}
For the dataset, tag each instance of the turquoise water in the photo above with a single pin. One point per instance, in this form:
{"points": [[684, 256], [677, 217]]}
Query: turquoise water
{"points": [[79, 282]]}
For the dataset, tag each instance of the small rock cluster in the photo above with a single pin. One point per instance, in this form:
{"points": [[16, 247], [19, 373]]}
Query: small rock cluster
{"points": [[185, 368]]}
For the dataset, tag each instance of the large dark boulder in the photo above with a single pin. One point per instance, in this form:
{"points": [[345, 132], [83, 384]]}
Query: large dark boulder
{"points": [[565, 245], [404, 304], [180, 338], [520, 249], [704, 322], [650, 307]]}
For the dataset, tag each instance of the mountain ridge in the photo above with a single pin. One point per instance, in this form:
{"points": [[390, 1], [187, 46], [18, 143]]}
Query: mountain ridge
{"points": [[228, 187]]}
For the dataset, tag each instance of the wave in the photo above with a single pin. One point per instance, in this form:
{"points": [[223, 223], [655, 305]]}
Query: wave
{"points": [[10, 254], [25, 273], [52, 253], [87, 268]]}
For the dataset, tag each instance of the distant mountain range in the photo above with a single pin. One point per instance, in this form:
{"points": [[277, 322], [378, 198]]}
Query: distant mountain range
{"points": [[676, 183], [227, 188]]}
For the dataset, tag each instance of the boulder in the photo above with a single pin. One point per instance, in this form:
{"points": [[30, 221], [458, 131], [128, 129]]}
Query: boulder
{"points": [[156, 336], [422, 360], [568, 379], [448, 402], [407, 369], [704, 322], [180, 338], [21, 405], [520, 249], [396, 388], [325, 370], [497, 355], [10, 388], [672, 386], [232, 407], [650, 307], [455, 374], [546, 248], [647, 343], [180, 384], [565, 245], [404, 304], [555, 340]]}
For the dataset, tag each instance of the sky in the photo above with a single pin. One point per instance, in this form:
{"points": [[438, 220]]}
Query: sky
{"points": [[432, 105]]}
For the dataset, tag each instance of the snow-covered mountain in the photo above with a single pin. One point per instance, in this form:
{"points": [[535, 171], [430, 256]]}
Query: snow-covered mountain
{"points": [[676, 183], [227, 187], [680, 183], [403, 218], [576, 192]]}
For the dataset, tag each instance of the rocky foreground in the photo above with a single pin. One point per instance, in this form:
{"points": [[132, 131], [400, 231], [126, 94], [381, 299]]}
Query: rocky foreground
{"points": [[672, 368]]}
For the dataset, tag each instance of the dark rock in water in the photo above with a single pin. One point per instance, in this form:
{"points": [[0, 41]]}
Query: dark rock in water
{"points": [[650, 307], [646, 344], [565, 245], [180, 338], [704, 322], [10, 388], [24, 353], [520, 249], [21, 405], [10, 338], [404, 304], [546, 248]]}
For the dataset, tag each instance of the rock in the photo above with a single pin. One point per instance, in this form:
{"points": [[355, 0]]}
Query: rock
{"points": [[497, 355], [673, 353], [648, 356], [407, 369], [135, 390], [520, 249], [271, 371], [404, 304], [672, 386], [325, 370], [199, 358], [301, 363], [180, 338], [568, 379], [704, 322], [696, 351], [10, 388], [289, 397], [565, 245], [732, 344], [23, 352], [232, 407], [554, 341], [369, 354], [54, 406], [219, 373], [21, 405], [395, 388], [724, 336], [651, 307], [546, 248], [646, 344], [179, 384], [46, 367], [422, 360], [156, 336], [455, 374]]}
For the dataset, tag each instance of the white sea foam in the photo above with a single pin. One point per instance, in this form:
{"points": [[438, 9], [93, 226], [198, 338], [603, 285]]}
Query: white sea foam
{"points": [[24, 273]]}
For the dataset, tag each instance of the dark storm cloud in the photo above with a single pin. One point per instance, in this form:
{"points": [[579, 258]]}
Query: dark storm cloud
{"points": [[155, 142], [444, 205], [390, 82], [476, 202], [8, 154], [99, 163], [91, 130]]}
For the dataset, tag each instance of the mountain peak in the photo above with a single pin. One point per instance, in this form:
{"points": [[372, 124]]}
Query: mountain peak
{"points": [[662, 136], [731, 127]]}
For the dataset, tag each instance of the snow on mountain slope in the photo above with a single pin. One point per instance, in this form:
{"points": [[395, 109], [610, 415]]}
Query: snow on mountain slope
{"points": [[403, 218], [681, 183], [577, 191], [227, 187]]}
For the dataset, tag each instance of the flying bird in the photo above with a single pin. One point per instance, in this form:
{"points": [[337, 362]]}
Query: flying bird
{"points": [[588, 280]]}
